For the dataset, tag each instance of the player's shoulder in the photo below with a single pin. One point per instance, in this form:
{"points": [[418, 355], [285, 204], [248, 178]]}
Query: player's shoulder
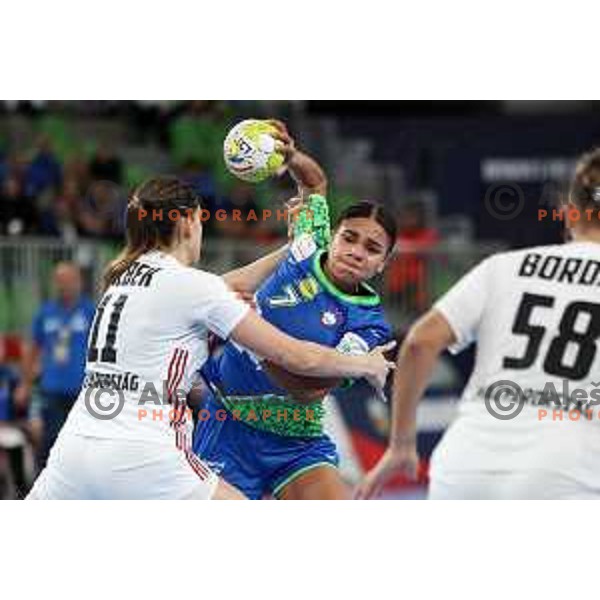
{"points": [[540, 249], [517, 255], [193, 279]]}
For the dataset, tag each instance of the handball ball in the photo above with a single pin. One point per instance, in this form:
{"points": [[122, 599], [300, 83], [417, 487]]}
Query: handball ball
{"points": [[249, 151]]}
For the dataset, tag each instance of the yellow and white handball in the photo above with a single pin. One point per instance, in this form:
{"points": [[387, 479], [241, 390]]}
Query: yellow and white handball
{"points": [[250, 151]]}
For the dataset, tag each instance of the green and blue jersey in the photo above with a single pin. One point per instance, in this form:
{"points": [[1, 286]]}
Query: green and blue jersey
{"points": [[300, 300]]}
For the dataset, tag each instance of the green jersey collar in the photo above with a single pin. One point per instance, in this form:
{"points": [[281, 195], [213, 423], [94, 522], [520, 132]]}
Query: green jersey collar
{"points": [[370, 299]]}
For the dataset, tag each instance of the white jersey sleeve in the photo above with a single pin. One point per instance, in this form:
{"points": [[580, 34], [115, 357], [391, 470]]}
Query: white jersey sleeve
{"points": [[221, 311], [463, 305]]}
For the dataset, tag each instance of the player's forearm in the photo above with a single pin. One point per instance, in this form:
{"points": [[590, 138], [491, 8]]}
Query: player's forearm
{"points": [[250, 277], [426, 340], [314, 360], [301, 357], [308, 174], [415, 365]]}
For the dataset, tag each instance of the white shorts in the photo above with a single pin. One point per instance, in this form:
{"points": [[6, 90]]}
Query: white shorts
{"points": [[515, 485], [523, 459], [82, 468]]}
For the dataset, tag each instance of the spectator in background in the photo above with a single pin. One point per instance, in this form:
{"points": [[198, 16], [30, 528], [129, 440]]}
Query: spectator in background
{"points": [[59, 218], [198, 133], [44, 171], [203, 183], [151, 119], [12, 438], [102, 211], [59, 341], [106, 165], [408, 274], [18, 214], [242, 222], [241, 207], [3, 167]]}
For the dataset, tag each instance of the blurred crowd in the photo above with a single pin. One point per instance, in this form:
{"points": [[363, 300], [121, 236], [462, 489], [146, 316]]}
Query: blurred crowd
{"points": [[69, 187]]}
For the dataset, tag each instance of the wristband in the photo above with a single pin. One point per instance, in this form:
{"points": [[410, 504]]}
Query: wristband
{"points": [[313, 219]]}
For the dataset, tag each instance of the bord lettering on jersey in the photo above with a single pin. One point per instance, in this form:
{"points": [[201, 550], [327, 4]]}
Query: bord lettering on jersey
{"points": [[560, 269]]}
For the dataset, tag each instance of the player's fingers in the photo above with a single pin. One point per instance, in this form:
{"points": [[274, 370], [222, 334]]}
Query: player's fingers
{"points": [[283, 148], [367, 489], [294, 203], [279, 125], [381, 395], [361, 491], [387, 347], [280, 131], [282, 137]]}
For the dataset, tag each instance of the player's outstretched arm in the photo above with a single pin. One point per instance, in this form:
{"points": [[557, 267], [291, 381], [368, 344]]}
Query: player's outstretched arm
{"points": [[304, 170], [308, 358], [248, 278], [416, 360]]}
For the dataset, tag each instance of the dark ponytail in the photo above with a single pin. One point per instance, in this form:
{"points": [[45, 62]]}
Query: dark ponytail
{"points": [[144, 229], [372, 210]]}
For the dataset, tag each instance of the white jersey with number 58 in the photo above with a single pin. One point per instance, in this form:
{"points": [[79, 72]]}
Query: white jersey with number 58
{"points": [[535, 315]]}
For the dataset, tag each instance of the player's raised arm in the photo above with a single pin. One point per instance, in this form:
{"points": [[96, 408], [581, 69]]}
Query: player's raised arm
{"points": [[310, 179], [304, 170]]}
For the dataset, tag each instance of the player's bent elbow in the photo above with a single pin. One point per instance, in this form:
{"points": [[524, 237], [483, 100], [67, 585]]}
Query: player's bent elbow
{"points": [[419, 342], [431, 334]]}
